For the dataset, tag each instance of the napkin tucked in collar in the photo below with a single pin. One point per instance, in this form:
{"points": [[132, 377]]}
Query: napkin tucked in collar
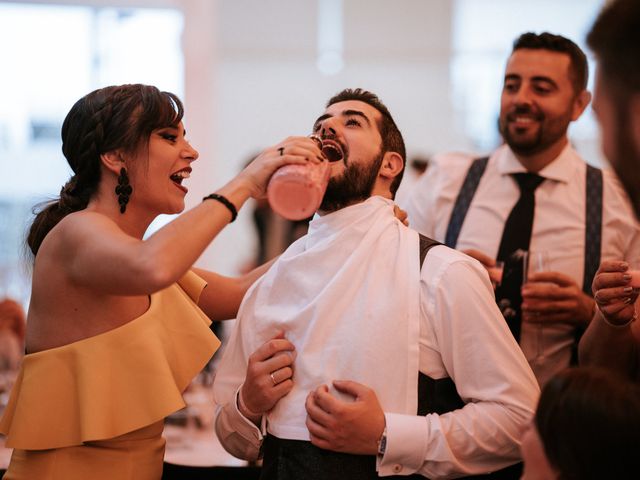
{"points": [[347, 296]]}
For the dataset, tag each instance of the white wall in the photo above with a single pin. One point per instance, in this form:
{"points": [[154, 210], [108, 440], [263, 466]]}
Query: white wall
{"points": [[251, 78], [268, 85]]}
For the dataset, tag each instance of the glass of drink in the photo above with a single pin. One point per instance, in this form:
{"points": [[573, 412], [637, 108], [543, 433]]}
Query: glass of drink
{"points": [[296, 191], [536, 262]]}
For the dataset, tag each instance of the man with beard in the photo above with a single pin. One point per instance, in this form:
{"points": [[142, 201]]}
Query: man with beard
{"points": [[613, 338], [533, 194], [353, 337]]}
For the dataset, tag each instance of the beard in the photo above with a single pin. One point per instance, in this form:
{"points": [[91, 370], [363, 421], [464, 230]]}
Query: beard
{"points": [[353, 186], [548, 133]]}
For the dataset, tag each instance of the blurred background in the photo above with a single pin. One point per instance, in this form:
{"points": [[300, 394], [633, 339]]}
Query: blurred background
{"points": [[252, 72]]}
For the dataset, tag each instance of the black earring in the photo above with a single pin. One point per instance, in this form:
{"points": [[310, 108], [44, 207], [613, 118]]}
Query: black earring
{"points": [[123, 189]]}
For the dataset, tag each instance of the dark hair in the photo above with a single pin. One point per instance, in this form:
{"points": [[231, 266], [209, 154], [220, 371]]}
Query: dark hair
{"points": [[111, 118], [615, 39], [392, 140], [588, 419], [579, 68]]}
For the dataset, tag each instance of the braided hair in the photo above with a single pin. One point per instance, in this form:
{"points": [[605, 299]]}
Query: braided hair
{"points": [[111, 118]]}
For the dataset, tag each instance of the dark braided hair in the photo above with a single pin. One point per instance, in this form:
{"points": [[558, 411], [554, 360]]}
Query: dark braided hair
{"points": [[111, 118]]}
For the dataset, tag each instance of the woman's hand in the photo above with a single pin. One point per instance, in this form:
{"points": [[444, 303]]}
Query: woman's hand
{"points": [[401, 215], [613, 292], [293, 150]]}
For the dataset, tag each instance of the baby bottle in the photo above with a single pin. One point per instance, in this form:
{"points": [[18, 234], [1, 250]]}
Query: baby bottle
{"points": [[296, 191]]}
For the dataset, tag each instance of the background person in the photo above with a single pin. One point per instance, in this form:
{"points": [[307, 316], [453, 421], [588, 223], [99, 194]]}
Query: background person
{"points": [[613, 338], [534, 193], [587, 426]]}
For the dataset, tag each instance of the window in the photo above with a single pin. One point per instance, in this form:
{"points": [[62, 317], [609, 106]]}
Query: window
{"points": [[52, 56], [481, 46]]}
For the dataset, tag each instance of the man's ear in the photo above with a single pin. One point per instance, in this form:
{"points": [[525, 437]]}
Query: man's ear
{"points": [[580, 103], [112, 161], [391, 166]]}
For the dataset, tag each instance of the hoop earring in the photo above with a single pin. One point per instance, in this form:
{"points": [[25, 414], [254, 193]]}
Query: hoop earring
{"points": [[123, 189]]}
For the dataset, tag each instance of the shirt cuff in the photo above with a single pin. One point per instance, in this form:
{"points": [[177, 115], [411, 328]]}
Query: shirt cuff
{"points": [[238, 435], [407, 439], [255, 432]]}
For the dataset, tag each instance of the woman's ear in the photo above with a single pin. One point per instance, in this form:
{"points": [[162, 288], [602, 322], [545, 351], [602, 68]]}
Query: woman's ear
{"points": [[391, 166], [112, 161]]}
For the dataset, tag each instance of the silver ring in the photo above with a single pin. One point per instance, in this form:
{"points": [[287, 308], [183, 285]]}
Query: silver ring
{"points": [[273, 379]]}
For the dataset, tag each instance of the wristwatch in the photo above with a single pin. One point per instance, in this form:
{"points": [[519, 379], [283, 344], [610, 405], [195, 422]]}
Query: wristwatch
{"points": [[382, 443]]}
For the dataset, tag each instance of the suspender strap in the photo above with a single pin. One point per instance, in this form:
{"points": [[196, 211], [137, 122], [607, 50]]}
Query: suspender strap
{"points": [[465, 195], [592, 240], [593, 228], [593, 215], [426, 244], [435, 396]]}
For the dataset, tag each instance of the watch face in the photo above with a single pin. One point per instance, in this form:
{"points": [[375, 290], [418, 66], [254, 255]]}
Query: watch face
{"points": [[382, 443]]}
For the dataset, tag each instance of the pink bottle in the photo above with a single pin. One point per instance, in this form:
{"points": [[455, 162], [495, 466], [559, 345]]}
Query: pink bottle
{"points": [[296, 191]]}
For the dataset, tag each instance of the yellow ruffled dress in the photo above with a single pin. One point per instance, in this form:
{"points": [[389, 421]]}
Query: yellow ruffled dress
{"points": [[94, 409]]}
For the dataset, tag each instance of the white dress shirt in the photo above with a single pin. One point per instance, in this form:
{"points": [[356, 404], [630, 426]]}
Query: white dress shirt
{"points": [[461, 334], [558, 227]]}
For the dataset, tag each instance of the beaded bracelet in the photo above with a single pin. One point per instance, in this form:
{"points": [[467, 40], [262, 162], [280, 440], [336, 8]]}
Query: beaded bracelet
{"points": [[225, 201]]}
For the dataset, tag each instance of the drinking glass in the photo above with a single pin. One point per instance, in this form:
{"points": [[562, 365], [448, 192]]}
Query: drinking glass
{"points": [[296, 191], [536, 262]]}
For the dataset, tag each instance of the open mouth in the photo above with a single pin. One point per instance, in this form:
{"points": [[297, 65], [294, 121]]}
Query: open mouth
{"points": [[180, 175], [332, 150]]}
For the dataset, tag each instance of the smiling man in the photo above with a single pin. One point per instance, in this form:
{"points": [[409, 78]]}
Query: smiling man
{"points": [[340, 351], [533, 194]]}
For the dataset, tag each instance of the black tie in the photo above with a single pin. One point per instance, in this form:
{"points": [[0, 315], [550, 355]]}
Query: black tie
{"points": [[516, 238]]}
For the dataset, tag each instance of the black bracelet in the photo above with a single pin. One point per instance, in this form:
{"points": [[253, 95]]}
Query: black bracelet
{"points": [[225, 201]]}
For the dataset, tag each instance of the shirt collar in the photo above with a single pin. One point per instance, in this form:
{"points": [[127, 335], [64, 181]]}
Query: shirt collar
{"points": [[562, 169]]}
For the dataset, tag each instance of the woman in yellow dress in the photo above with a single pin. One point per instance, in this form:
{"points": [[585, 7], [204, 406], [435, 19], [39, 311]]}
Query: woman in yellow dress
{"points": [[118, 325]]}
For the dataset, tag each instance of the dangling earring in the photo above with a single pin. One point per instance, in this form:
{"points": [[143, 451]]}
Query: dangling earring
{"points": [[123, 189]]}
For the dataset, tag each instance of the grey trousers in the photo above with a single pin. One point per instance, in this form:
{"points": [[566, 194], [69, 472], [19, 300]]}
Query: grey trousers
{"points": [[300, 460]]}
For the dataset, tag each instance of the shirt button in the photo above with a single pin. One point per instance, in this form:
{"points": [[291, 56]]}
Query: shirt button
{"points": [[397, 468]]}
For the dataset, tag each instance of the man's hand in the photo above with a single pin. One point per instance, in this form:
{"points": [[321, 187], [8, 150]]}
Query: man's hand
{"points": [[552, 297], [348, 427], [613, 293], [495, 274], [269, 377]]}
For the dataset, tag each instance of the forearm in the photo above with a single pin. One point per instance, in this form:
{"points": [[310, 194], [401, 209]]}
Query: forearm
{"points": [[223, 295], [609, 346], [178, 245], [454, 444]]}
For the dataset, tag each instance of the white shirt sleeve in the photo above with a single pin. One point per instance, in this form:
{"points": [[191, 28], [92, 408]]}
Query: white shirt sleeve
{"points": [[463, 336], [237, 434], [431, 199]]}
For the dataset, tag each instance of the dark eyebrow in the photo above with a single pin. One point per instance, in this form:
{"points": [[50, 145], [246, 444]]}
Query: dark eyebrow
{"points": [[344, 113], [511, 76], [358, 113]]}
